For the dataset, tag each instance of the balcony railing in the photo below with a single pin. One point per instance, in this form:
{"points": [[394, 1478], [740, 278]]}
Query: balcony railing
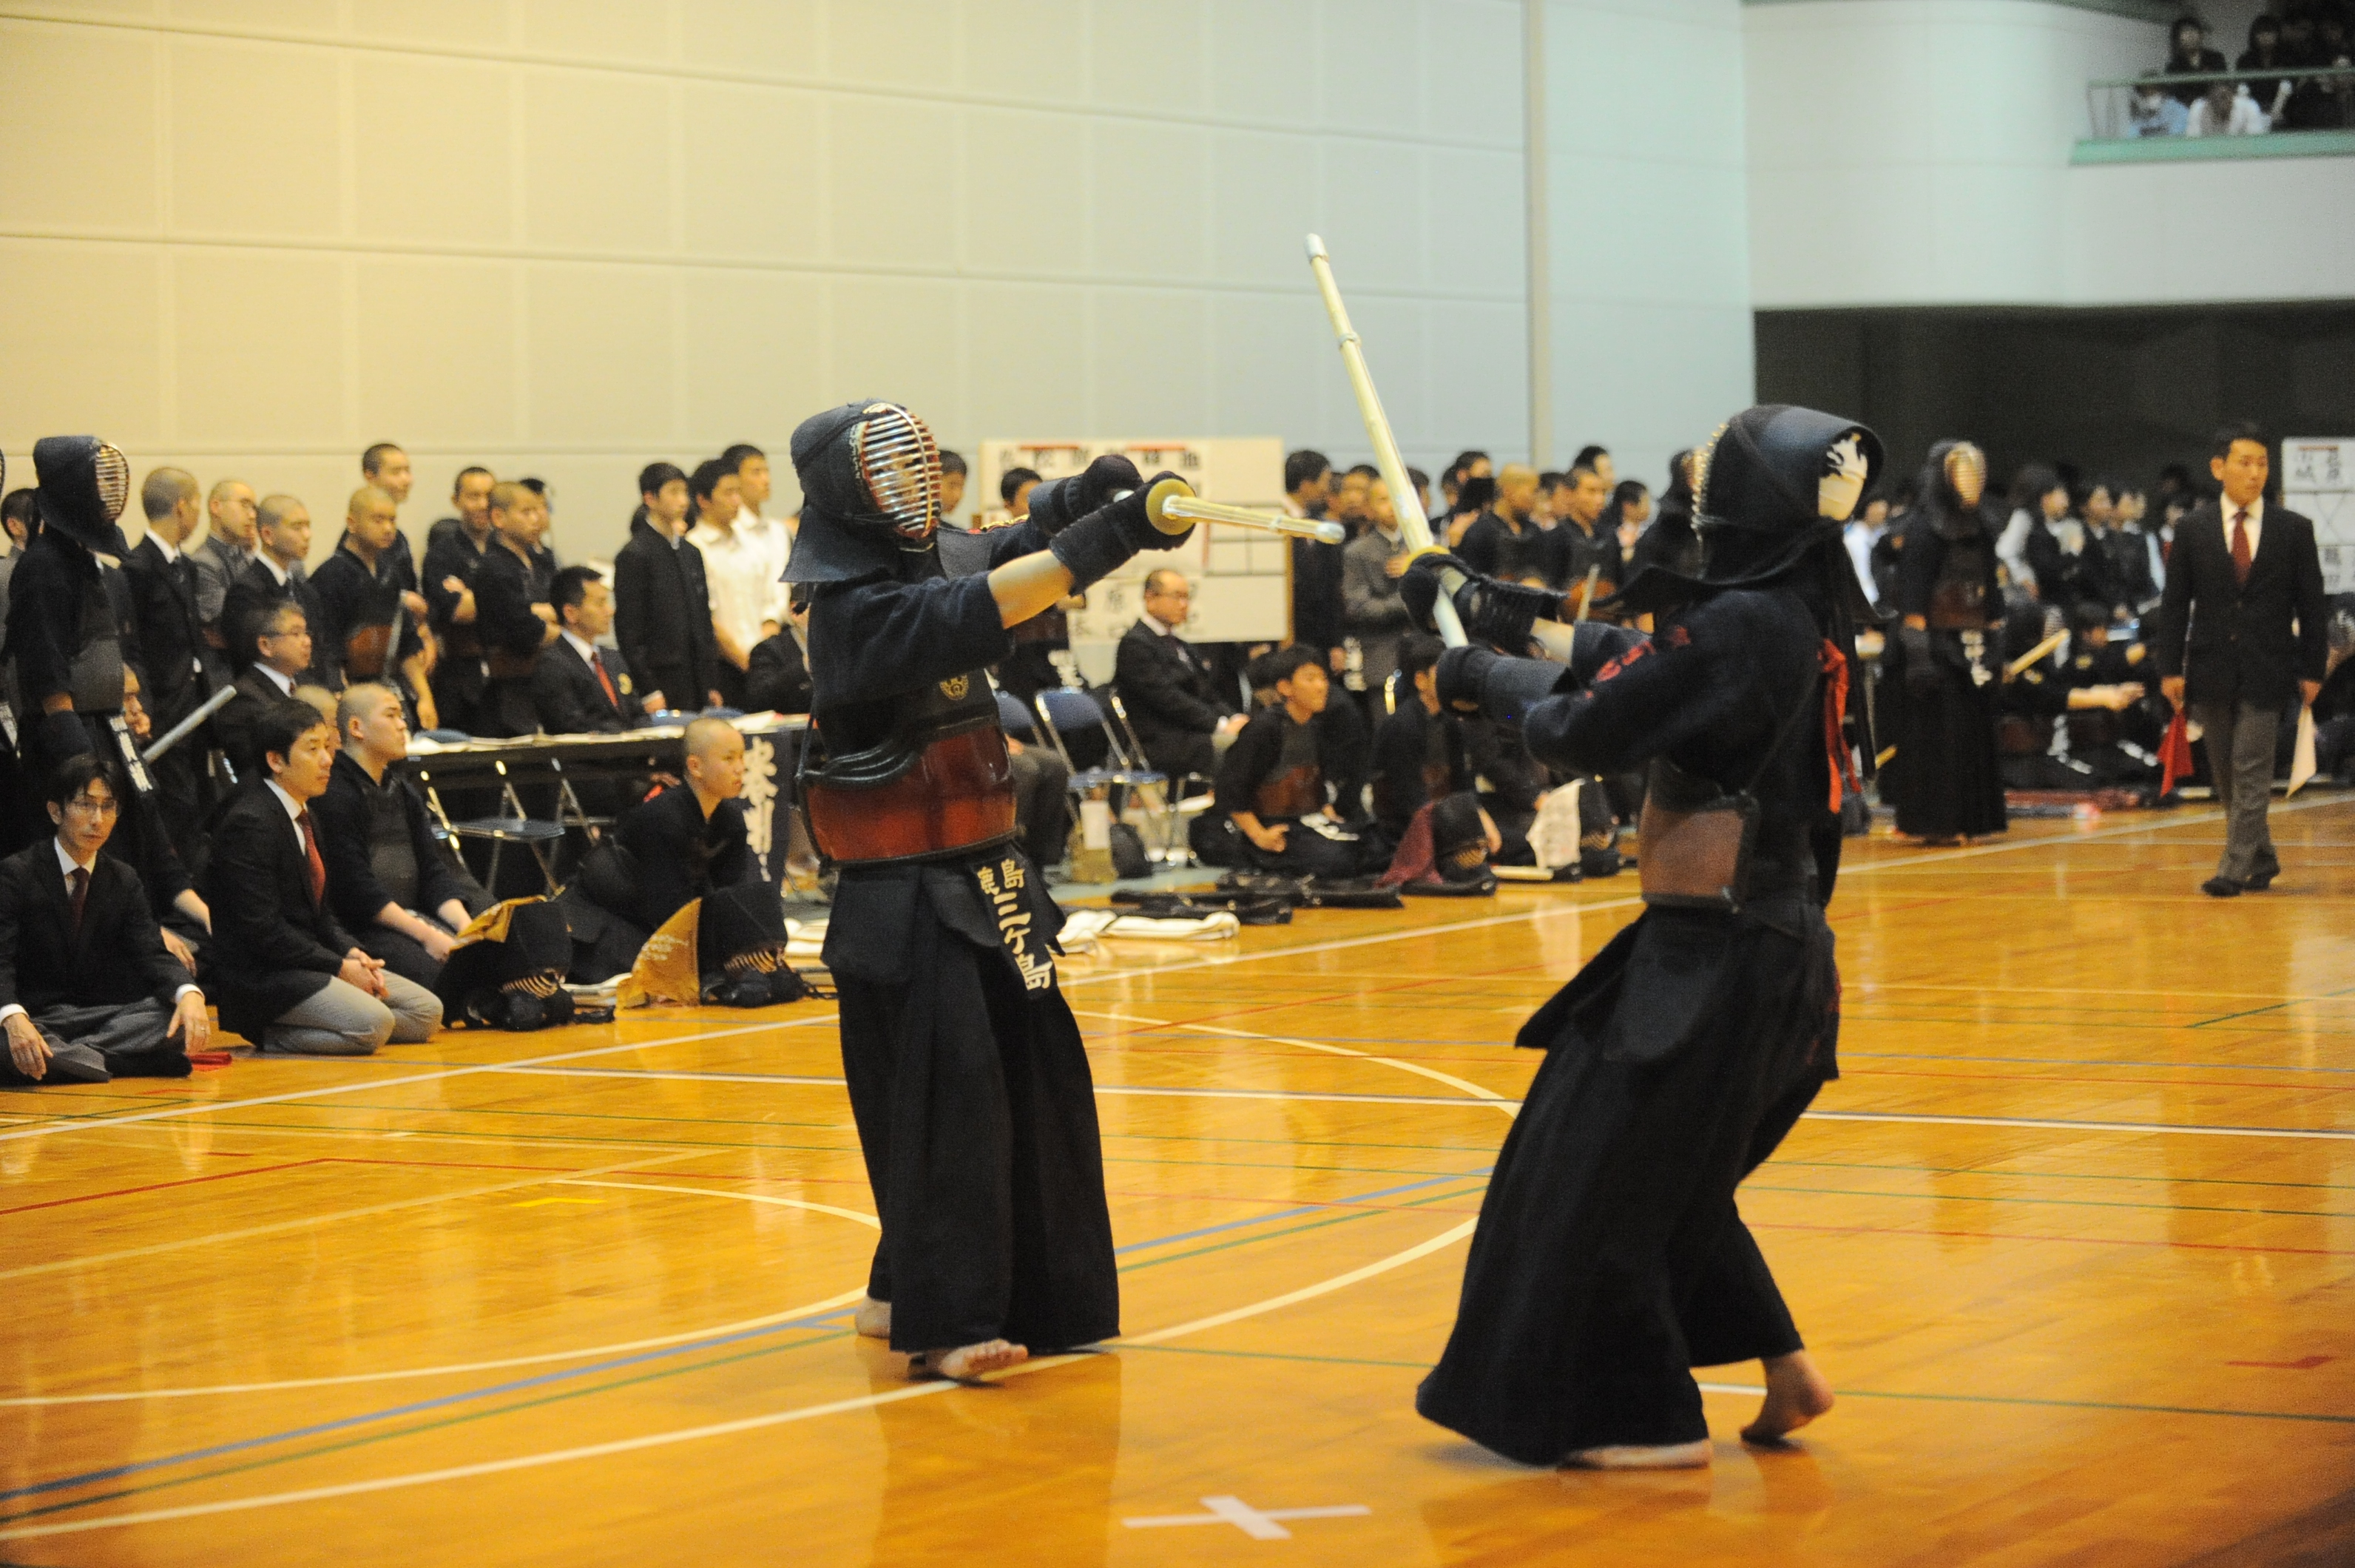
{"points": [[2220, 114]]}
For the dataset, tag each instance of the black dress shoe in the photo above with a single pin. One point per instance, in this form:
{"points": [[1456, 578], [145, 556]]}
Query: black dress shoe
{"points": [[2221, 887], [2261, 880]]}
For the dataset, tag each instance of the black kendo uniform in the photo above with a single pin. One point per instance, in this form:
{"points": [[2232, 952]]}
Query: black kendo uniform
{"points": [[458, 676], [1610, 1259], [1419, 756], [1946, 782], [1670, 541], [512, 636], [65, 627], [1277, 770], [360, 606], [967, 1078]]}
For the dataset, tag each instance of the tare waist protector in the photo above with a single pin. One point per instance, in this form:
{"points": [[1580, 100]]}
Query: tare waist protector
{"points": [[939, 784]]}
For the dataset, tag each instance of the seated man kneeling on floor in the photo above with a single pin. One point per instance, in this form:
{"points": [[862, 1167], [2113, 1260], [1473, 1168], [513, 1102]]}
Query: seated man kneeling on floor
{"points": [[389, 881], [1274, 811], [689, 842], [87, 989], [290, 977]]}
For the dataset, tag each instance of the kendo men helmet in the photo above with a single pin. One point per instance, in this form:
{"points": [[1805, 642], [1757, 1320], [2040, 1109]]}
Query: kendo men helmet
{"points": [[870, 479], [84, 485]]}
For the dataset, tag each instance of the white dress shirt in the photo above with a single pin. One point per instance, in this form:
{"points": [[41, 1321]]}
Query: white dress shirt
{"points": [[2255, 527], [742, 566], [67, 867]]}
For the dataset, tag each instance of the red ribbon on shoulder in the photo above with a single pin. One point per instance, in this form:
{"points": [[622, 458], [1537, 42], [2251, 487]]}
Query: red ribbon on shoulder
{"points": [[1836, 760]]}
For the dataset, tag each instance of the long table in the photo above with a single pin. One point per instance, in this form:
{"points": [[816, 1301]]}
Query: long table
{"points": [[546, 767]]}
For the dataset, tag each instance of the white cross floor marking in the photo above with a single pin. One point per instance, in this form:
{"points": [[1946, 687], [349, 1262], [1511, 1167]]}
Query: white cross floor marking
{"points": [[1258, 1523]]}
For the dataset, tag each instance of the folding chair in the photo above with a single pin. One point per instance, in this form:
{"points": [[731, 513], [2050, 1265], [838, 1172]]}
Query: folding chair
{"points": [[1174, 800], [1079, 713], [535, 836]]}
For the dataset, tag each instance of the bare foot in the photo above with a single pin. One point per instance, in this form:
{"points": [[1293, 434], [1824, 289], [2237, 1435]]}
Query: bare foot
{"points": [[968, 1363], [1795, 1394], [1691, 1456], [872, 1318]]}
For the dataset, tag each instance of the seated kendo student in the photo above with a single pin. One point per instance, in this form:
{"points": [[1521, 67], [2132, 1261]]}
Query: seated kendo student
{"points": [[1419, 752], [2039, 718], [389, 881], [689, 842], [579, 688], [287, 975], [280, 658], [88, 990], [1273, 805], [143, 842], [778, 680]]}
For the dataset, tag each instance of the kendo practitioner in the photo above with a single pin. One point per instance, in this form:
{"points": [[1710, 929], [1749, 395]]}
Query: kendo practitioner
{"points": [[1274, 810], [453, 550], [65, 627], [1610, 1259], [2060, 728], [1419, 752], [370, 623], [513, 619], [1949, 787], [974, 1105]]}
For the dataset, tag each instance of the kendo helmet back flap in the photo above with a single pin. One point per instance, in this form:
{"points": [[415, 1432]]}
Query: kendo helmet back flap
{"points": [[84, 485]]}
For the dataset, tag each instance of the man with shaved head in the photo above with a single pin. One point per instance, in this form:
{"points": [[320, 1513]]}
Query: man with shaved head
{"points": [[385, 467], [512, 618], [1502, 541], [169, 651], [283, 530], [229, 548], [372, 628]]}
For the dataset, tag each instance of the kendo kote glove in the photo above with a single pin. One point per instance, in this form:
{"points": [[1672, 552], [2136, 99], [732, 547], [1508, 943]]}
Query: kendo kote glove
{"points": [[1058, 503], [63, 735], [1461, 673], [1499, 614], [1102, 541], [1921, 672]]}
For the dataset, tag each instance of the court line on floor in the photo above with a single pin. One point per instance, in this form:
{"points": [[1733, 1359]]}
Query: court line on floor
{"points": [[208, 1106], [417, 1407], [2040, 1123]]}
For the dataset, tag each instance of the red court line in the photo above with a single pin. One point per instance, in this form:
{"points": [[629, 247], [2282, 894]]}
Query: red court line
{"points": [[451, 1165], [2074, 1241], [159, 1186]]}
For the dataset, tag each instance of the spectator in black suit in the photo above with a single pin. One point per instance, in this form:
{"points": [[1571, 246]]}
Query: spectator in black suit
{"points": [[86, 991], [389, 881], [1166, 688], [291, 979], [278, 574], [361, 596], [2242, 631], [662, 610], [779, 680], [580, 688], [453, 550], [169, 655], [278, 657], [1315, 565], [511, 618]]}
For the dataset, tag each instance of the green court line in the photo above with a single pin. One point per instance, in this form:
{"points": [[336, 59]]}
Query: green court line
{"points": [[1844, 1393]]}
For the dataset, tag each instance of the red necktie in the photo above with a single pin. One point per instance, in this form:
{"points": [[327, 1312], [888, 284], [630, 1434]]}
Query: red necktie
{"points": [[2241, 546], [597, 663], [318, 867], [80, 879]]}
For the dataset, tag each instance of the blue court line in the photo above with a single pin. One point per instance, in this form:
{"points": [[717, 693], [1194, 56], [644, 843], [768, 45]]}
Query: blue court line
{"points": [[541, 1380]]}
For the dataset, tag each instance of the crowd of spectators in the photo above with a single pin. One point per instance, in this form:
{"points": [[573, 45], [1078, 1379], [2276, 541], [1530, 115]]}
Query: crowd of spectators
{"points": [[2297, 73]]}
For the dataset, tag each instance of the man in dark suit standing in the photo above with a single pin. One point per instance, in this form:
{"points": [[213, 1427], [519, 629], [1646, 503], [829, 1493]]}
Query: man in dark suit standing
{"points": [[580, 688], [86, 991], [291, 978], [275, 575], [2240, 631], [779, 678], [662, 607], [171, 645], [1166, 687]]}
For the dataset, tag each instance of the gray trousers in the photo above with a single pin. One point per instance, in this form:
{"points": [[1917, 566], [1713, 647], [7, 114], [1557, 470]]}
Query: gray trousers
{"points": [[341, 1020], [90, 1045], [2239, 740]]}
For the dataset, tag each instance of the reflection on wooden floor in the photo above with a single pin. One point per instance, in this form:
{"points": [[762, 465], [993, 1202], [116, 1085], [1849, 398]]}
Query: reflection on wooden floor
{"points": [[2074, 1236]]}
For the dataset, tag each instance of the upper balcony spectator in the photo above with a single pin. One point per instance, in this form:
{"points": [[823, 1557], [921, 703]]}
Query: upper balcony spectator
{"points": [[2190, 55], [2226, 110]]}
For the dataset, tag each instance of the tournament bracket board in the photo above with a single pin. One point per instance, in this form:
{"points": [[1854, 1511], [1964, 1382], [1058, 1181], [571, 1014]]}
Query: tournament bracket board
{"points": [[2319, 479], [1243, 580]]}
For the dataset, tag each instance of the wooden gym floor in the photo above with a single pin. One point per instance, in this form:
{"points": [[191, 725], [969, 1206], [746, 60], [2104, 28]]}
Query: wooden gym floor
{"points": [[2073, 1237]]}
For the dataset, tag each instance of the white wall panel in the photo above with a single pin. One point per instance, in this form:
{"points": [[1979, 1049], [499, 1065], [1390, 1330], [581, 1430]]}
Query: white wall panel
{"points": [[567, 237]]}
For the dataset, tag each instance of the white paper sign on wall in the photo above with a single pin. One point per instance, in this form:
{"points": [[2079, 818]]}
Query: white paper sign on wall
{"points": [[2318, 478]]}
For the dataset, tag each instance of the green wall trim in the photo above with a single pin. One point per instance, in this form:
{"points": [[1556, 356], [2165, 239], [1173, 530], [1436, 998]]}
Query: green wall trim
{"points": [[2179, 149]]}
